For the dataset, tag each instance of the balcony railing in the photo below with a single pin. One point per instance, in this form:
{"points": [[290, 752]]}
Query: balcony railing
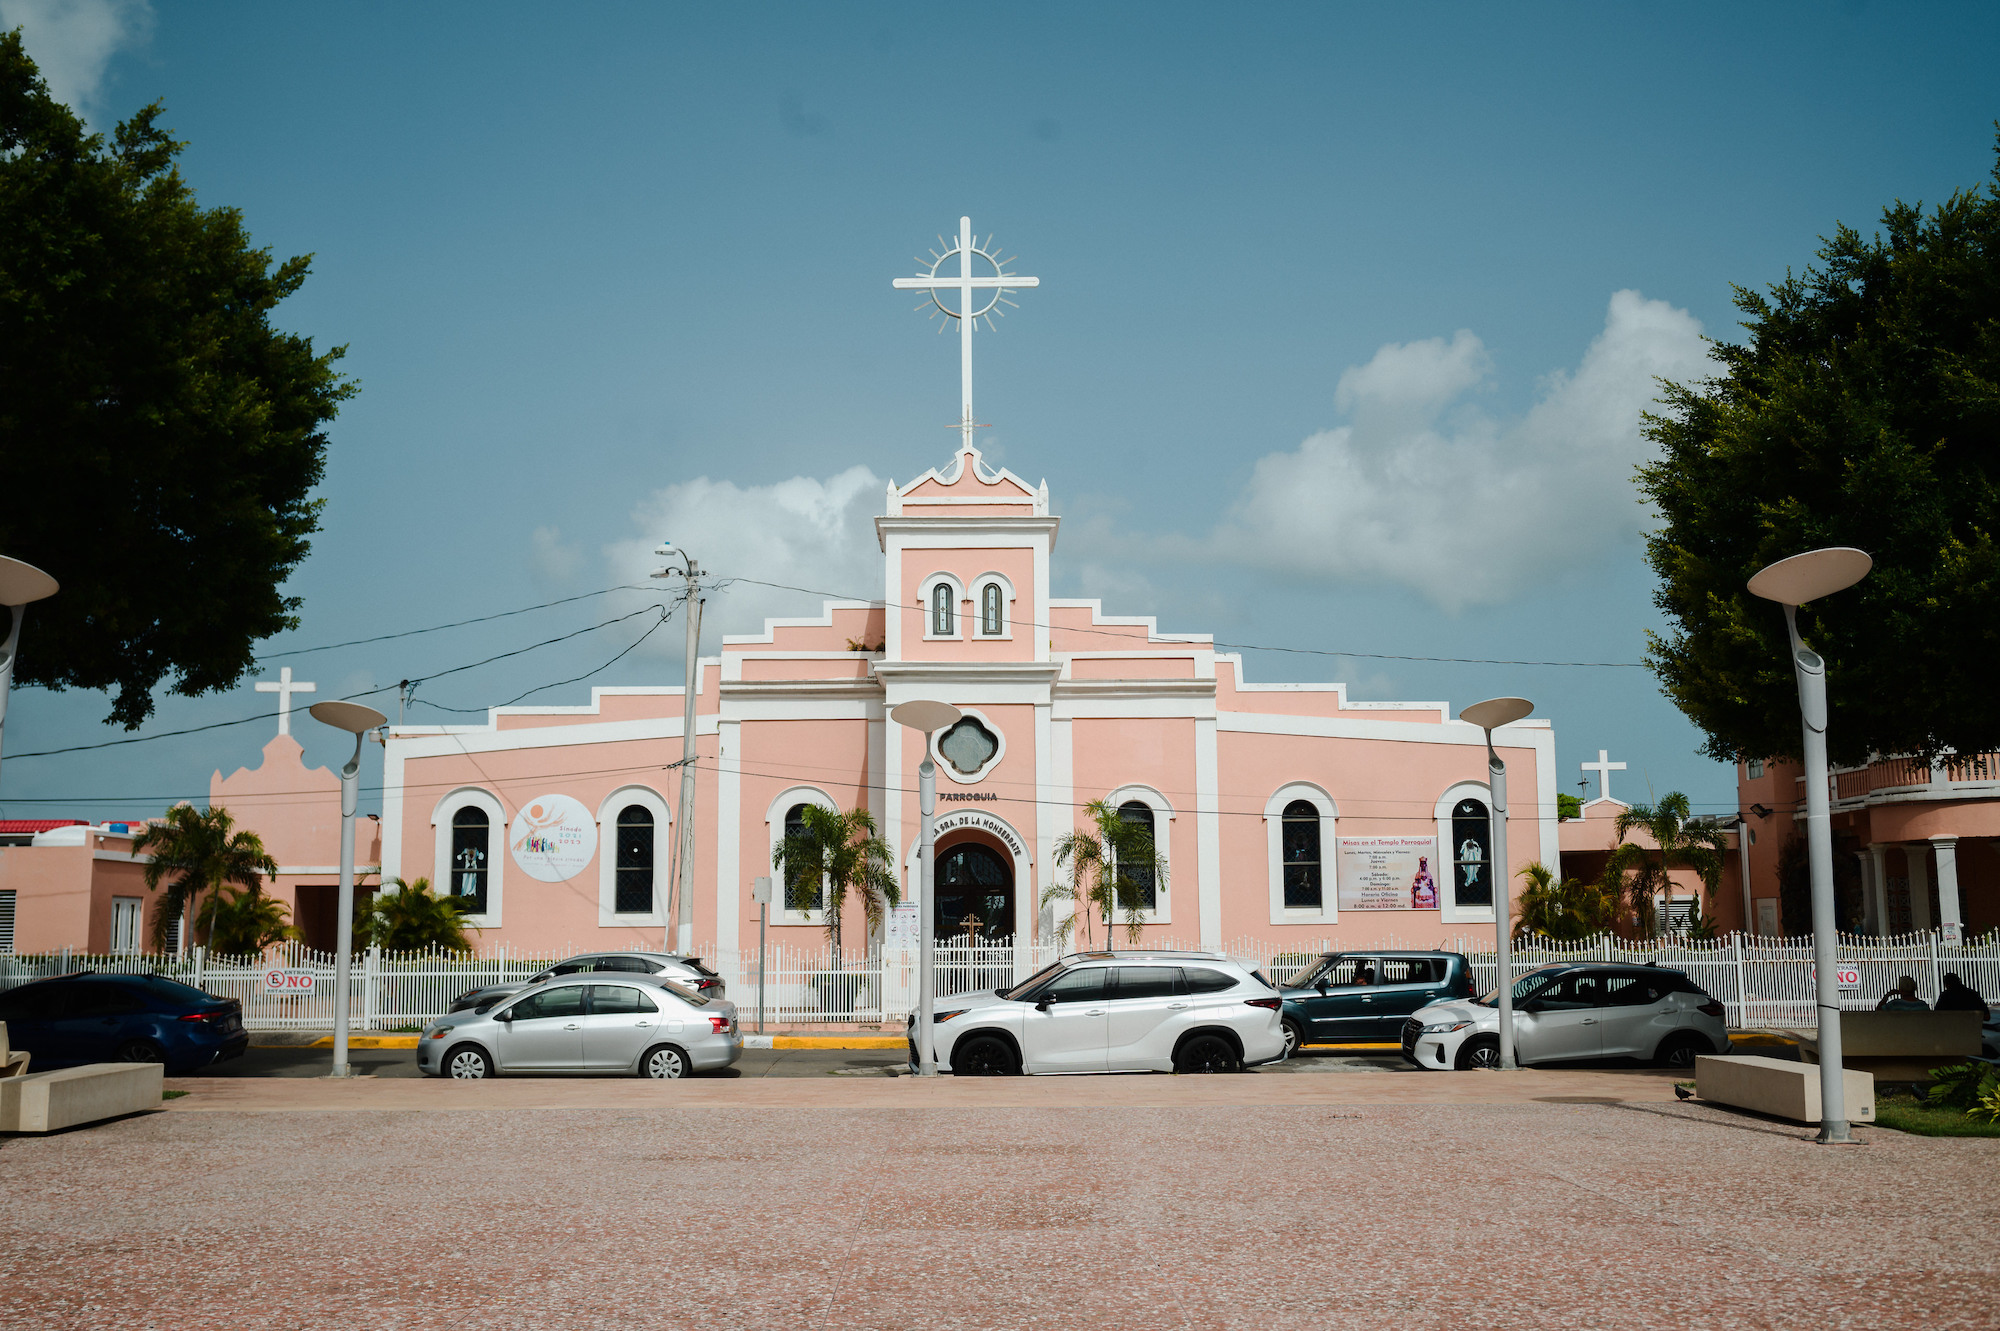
{"points": [[1956, 776]]}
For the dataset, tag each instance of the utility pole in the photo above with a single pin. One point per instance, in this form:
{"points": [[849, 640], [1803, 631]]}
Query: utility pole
{"points": [[680, 901]]}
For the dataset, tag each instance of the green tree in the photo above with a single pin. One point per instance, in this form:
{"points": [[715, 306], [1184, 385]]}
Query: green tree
{"points": [[1864, 410], [243, 923], [840, 854], [170, 436], [409, 917], [1638, 874], [197, 855], [1568, 806], [1110, 862], [1564, 909]]}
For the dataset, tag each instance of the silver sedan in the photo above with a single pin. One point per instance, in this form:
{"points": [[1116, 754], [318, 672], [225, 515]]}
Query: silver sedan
{"points": [[631, 1024]]}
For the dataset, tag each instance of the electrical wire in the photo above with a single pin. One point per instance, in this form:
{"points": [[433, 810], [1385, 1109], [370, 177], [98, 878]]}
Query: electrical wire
{"points": [[455, 624]]}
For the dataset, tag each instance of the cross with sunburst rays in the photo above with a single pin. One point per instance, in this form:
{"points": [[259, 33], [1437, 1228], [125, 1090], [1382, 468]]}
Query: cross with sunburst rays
{"points": [[972, 287]]}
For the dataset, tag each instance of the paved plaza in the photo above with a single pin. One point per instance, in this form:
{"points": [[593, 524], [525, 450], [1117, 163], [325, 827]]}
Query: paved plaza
{"points": [[1562, 1199]]}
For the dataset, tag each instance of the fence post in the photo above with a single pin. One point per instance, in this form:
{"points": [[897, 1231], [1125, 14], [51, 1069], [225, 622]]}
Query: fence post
{"points": [[200, 966], [1937, 978], [1742, 995], [370, 972]]}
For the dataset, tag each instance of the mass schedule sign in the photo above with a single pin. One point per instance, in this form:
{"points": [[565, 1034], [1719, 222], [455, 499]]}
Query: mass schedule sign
{"points": [[1387, 872]]}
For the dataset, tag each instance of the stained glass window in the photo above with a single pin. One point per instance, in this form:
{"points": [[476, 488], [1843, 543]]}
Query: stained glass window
{"points": [[470, 837], [1299, 848], [942, 623], [1140, 875], [991, 620], [635, 860]]}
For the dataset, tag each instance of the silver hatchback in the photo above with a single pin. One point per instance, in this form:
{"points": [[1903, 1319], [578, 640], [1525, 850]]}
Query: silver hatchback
{"points": [[640, 1025]]}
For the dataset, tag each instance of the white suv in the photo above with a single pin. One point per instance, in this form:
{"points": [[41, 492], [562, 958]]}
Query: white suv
{"points": [[1114, 1012]]}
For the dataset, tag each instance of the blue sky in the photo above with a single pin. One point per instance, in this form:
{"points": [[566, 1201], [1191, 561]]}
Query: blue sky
{"points": [[1330, 350]]}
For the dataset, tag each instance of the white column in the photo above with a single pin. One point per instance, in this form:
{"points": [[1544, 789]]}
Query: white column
{"points": [[1207, 833], [1880, 879], [1920, 884], [1950, 921], [729, 895]]}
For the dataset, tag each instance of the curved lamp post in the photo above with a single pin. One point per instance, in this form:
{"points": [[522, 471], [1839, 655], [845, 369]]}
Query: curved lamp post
{"points": [[927, 718], [1791, 583], [357, 720], [20, 586], [1490, 716]]}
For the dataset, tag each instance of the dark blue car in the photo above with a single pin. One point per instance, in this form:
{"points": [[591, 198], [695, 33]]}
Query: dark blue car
{"points": [[88, 1018], [1365, 997]]}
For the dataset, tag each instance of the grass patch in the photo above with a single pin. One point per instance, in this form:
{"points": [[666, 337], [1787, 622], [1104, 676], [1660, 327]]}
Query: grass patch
{"points": [[1905, 1114], [172, 1095]]}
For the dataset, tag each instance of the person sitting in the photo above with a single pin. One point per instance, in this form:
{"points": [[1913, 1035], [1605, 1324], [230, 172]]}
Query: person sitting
{"points": [[1958, 996], [1903, 998]]}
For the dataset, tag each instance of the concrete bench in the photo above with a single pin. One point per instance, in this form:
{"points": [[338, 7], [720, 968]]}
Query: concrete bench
{"points": [[12, 1064], [46, 1101], [1900, 1046], [1778, 1087]]}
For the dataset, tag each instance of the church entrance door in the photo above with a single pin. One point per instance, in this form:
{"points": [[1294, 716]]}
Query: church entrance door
{"points": [[975, 894]]}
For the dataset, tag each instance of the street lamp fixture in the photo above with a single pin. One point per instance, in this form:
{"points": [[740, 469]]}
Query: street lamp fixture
{"points": [[1489, 716], [358, 720], [927, 718], [20, 586], [1791, 583]]}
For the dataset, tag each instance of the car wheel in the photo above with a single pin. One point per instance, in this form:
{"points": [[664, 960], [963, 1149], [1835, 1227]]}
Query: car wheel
{"points": [[983, 1056], [663, 1062], [139, 1051], [1679, 1051], [467, 1063], [1206, 1053], [1295, 1038], [1480, 1053]]}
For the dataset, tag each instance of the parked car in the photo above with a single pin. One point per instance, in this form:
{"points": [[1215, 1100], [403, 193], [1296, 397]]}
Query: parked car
{"points": [[689, 972], [1352, 997], [646, 1025], [92, 1018], [1113, 1012], [1569, 1011]]}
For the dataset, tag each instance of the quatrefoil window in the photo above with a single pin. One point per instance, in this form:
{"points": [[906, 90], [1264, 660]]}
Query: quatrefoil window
{"points": [[968, 746]]}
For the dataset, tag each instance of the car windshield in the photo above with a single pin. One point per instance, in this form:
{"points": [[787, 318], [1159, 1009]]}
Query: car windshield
{"points": [[695, 964], [1528, 984], [1029, 985], [684, 990], [1307, 974]]}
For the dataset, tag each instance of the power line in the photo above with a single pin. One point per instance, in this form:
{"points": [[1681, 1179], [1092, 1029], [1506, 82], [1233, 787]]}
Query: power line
{"points": [[665, 615], [455, 624]]}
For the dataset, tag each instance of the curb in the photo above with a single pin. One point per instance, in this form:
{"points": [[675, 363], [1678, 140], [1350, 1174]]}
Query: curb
{"points": [[362, 1042], [824, 1042]]}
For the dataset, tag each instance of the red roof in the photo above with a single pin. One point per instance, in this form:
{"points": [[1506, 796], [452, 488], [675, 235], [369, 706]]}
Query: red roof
{"points": [[20, 825]]}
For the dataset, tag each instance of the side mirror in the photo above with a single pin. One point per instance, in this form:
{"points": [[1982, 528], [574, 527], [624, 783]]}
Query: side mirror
{"points": [[1045, 1002], [507, 1016], [543, 978], [1322, 988]]}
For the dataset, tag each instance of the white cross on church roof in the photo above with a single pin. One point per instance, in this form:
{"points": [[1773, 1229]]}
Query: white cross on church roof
{"points": [[285, 688], [1604, 767], [992, 286]]}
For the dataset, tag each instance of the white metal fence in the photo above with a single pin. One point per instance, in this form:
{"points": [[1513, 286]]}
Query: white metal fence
{"points": [[1761, 981]]}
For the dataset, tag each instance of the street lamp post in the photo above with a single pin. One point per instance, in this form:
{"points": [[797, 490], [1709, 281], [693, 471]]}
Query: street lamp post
{"points": [[1791, 583], [1490, 716], [926, 718], [20, 585], [357, 720]]}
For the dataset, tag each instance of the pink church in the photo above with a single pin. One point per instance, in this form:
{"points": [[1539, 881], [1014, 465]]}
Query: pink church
{"points": [[1286, 813]]}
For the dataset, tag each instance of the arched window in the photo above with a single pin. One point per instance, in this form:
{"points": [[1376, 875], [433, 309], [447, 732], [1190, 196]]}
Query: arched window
{"points": [[795, 826], [1301, 851], [470, 839], [1140, 875], [635, 860], [943, 624], [1471, 854], [992, 618]]}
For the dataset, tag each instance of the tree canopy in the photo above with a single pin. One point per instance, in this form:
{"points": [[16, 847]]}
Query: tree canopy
{"points": [[197, 854], [1864, 410], [159, 438]]}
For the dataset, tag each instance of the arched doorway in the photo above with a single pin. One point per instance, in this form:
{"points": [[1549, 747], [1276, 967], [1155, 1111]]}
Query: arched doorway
{"points": [[975, 893]]}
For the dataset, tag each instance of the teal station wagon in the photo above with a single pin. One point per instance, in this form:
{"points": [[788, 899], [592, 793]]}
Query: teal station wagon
{"points": [[1365, 997]]}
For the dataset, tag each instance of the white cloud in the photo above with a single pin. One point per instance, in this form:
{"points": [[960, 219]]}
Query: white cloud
{"points": [[1427, 490], [802, 532], [553, 563], [72, 41]]}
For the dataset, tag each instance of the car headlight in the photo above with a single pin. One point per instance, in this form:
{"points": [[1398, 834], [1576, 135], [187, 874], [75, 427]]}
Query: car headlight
{"points": [[1445, 1027], [947, 1016]]}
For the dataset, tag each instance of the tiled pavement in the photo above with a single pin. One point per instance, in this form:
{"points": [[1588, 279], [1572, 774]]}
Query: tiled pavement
{"points": [[1542, 1200]]}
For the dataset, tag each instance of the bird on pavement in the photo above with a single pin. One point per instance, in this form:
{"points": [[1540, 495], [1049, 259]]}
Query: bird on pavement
{"points": [[1683, 1093]]}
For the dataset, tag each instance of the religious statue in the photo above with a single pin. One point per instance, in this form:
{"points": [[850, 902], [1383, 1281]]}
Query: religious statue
{"points": [[1470, 855], [1423, 888]]}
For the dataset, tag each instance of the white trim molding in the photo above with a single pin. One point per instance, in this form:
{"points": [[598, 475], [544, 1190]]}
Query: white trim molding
{"points": [[1328, 911], [608, 915], [1449, 911], [475, 797], [944, 765], [774, 825], [926, 590]]}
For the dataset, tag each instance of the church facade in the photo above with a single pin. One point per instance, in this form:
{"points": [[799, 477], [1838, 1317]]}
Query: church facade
{"points": [[1284, 813]]}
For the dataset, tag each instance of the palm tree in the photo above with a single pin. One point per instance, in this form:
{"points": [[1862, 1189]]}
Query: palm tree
{"points": [[197, 853], [412, 918], [1641, 875], [1110, 863], [1561, 908], [838, 853], [244, 923]]}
